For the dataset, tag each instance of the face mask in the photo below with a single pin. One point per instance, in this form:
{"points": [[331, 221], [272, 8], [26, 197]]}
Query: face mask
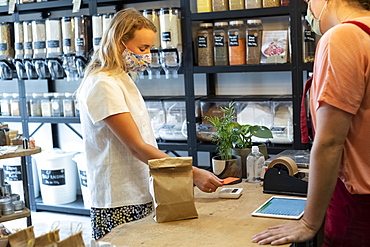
{"points": [[136, 62], [314, 23]]}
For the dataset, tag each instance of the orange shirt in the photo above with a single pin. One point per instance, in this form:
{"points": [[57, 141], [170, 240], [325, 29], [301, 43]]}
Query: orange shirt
{"points": [[341, 79]]}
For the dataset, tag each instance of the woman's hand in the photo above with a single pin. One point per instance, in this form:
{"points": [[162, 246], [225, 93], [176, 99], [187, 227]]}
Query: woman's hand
{"points": [[292, 232], [205, 180]]}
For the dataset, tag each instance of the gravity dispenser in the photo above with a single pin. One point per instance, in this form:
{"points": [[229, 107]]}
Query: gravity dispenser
{"points": [[54, 48], [19, 51], [39, 49], [28, 51], [82, 42], [69, 50], [6, 52]]}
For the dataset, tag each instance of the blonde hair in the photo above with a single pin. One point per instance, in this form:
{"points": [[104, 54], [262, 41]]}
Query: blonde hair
{"points": [[108, 57]]}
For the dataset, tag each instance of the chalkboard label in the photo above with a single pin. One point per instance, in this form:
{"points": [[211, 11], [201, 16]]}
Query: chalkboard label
{"points": [[12, 173], [166, 36], [83, 178], [53, 177]]}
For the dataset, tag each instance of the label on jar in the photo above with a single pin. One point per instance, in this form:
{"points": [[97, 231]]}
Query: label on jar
{"points": [[166, 36], [219, 41], [18, 46], [202, 42], [53, 44], [309, 36], [53, 177], [234, 40], [3, 46], [83, 178], [97, 41], [39, 44], [252, 41], [66, 42], [80, 41], [13, 173], [28, 45]]}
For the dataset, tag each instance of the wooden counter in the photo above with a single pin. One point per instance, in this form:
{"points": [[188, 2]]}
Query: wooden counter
{"points": [[221, 222], [20, 152]]}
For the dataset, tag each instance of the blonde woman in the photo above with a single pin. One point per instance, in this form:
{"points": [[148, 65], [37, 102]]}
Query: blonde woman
{"points": [[116, 127]]}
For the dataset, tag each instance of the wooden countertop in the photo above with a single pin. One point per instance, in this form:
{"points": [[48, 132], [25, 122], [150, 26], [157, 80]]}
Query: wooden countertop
{"points": [[221, 222], [21, 152]]}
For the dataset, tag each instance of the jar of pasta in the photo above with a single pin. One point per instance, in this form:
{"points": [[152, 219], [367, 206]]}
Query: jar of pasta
{"points": [[205, 44], [254, 39], [236, 35], [221, 54]]}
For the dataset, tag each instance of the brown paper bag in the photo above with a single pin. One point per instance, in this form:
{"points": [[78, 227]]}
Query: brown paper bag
{"points": [[49, 239], [74, 240], [172, 189], [22, 238]]}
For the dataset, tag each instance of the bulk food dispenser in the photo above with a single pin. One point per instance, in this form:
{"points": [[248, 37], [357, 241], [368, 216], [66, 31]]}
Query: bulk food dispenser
{"points": [[28, 50], [97, 30], [54, 48], [69, 51], [39, 48], [19, 51], [82, 42], [175, 128], [6, 52]]}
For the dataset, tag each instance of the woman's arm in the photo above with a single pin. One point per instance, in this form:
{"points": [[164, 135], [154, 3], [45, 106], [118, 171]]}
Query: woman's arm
{"points": [[325, 159]]}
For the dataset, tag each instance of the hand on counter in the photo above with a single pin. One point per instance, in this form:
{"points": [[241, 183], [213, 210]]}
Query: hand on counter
{"points": [[291, 232], [205, 180]]}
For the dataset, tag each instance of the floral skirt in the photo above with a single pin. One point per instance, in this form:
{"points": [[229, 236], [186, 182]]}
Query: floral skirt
{"points": [[103, 220]]}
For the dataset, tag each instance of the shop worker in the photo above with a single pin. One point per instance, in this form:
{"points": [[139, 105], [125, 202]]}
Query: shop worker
{"points": [[339, 181], [117, 133]]}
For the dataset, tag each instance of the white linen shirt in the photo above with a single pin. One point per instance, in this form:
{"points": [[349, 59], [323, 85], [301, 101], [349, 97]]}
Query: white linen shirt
{"points": [[115, 177]]}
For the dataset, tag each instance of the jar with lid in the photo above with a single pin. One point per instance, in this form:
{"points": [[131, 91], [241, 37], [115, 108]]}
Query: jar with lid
{"points": [[15, 105], [309, 42], [57, 105], [46, 104], [284, 2], [39, 39], [204, 6], [221, 56], [27, 36], [53, 37], [77, 110], [18, 40], [68, 35], [5, 104], [35, 104], [271, 3], [236, 4], [97, 30], [254, 40], [81, 35], [28, 103], [205, 44], [152, 15], [169, 19], [68, 105], [107, 18], [220, 5], [236, 34], [6, 47], [253, 4]]}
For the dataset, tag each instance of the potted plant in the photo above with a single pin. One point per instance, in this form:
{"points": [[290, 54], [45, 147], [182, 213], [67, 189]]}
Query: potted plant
{"points": [[226, 164]]}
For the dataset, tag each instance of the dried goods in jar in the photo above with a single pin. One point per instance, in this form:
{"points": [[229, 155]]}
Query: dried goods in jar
{"points": [[221, 54], [236, 35], [271, 3], [97, 30], [285, 2], [169, 19], [236, 4], [204, 6], [205, 44], [6, 49], [220, 5], [254, 40], [18, 40], [53, 37], [81, 35], [27, 36], [68, 35], [253, 4], [39, 38], [152, 15]]}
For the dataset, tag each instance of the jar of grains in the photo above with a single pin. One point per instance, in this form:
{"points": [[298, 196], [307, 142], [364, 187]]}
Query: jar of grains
{"points": [[97, 30], [53, 37], [220, 5], [204, 6], [236, 34], [236, 4], [18, 40], [81, 35], [254, 39], [221, 56], [39, 38], [152, 15], [6, 47], [284, 2], [169, 19], [205, 44], [57, 105], [271, 3], [15, 105], [68, 105], [35, 104], [253, 4], [68, 35], [46, 104], [27, 36]]}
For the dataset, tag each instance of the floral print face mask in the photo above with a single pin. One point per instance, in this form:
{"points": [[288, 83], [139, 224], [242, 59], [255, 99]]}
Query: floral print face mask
{"points": [[136, 62]]}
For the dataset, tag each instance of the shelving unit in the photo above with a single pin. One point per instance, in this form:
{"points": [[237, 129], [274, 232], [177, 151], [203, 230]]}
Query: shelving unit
{"points": [[192, 145]]}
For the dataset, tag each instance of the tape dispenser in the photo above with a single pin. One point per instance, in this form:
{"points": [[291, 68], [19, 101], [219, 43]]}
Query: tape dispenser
{"points": [[283, 177]]}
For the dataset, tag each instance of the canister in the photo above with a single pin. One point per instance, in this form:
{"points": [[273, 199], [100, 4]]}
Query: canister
{"points": [[39, 38], [220, 5], [169, 19], [81, 35], [236, 4], [107, 18], [57, 105], [15, 105], [68, 105], [205, 44], [53, 37], [204, 6], [253, 4], [18, 40], [46, 104], [27, 36], [35, 104], [97, 30], [6, 46], [152, 15], [236, 35], [68, 35], [221, 53], [271, 3], [253, 41]]}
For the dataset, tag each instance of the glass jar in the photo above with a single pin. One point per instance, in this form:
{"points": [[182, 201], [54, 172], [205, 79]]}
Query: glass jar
{"points": [[254, 40], [18, 40], [39, 39], [57, 105], [15, 105], [68, 35], [68, 105], [28, 103], [81, 35], [5, 104], [107, 18], [6, 47], [46, 104], [309, 42], [152, 15], [236, 4], [204, 6], [169, 19], [221, 56], [35, 104], [271, 3], [97, 30], [253, 4], [205, 44], [236, 34], [53, 37], [220, 5], [284, 2], [77, 110], [27, 36]]}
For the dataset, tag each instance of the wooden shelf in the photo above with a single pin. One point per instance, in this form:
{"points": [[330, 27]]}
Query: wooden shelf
{"points": [[21, 152], [17, 215]]}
